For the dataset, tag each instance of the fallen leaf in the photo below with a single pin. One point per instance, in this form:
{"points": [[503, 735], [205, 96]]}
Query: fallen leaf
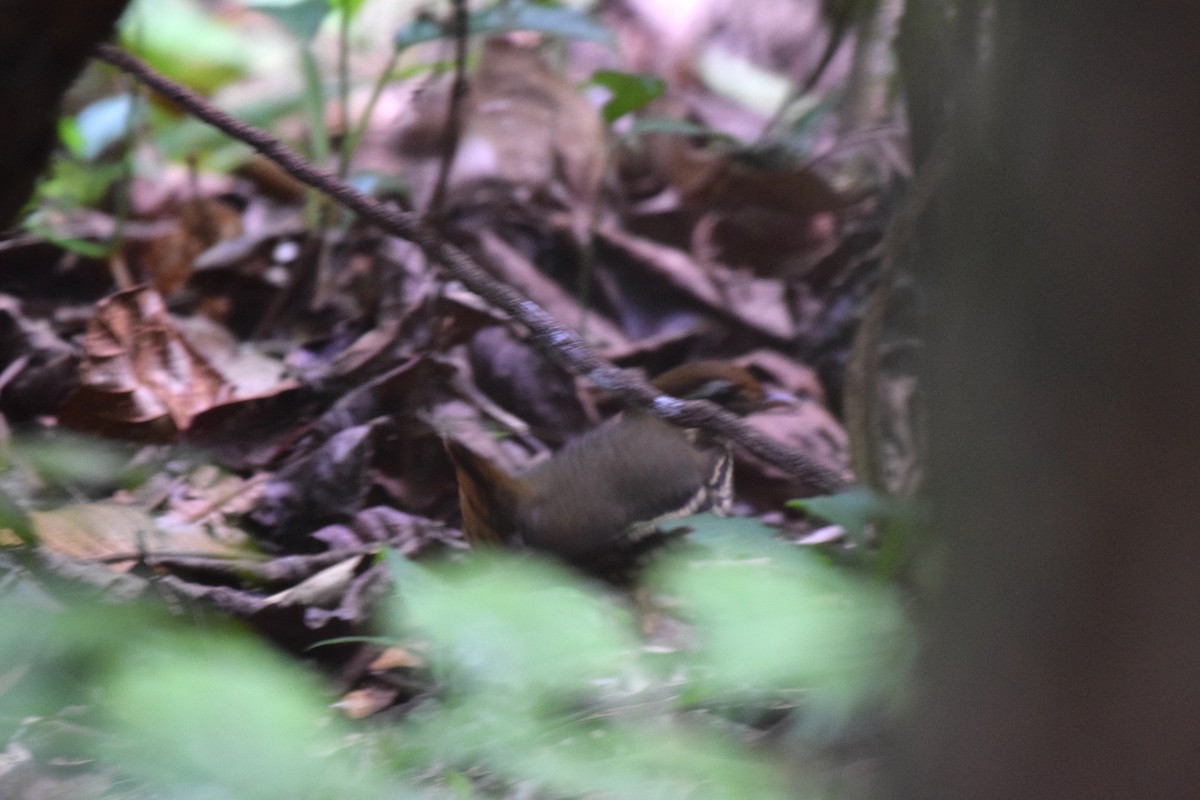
{"points": [[395, 658], [139, 377], [323, 590], [104, 531], [362, 703]]}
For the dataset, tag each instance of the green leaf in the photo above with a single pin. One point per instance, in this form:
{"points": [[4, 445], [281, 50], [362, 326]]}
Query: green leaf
{"points": [[14, 520], [81, 247], [771, 615], [71, 137], [314, 106], [853, 509], [302, 18], [70, 458], [506, 18], [420, 30], [53, 655], [518, 16], [519, 626], [179, 138], [348, 7], [601, 758], [186, 43], [72, 183], [629, 92], [226, 714]]}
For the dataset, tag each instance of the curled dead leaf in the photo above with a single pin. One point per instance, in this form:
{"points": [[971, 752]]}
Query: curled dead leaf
{"points": [[139, 377]]}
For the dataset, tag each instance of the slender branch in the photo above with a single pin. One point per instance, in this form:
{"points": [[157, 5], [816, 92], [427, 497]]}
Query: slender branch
{"points": [[343, 73], [559, 343], [458, 95]]}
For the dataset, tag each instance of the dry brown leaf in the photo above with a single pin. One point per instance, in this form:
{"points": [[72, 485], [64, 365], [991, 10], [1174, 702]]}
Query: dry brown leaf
{"points": [[759, 303], [211, 501], [395, 658], [724, 181], [778, 219], [40, 370], [799, 380], [167, 259], [249, 370], [139, 377], [362, 703], [458, 420], [807, 426], [523, 124], [323, 590], [543, 396], [520, 273], [99, 531], [249, 433]]}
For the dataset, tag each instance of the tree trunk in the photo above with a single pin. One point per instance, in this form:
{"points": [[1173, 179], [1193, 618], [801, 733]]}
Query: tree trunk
{"points": [[1064, 651], [43, 46]]}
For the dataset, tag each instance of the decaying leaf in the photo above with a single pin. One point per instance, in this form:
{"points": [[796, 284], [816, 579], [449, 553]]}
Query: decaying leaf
{"points": [[139, 377], [396, 658], [200, 223], [324, 590], [362, 703], [758, 303], [104, 531], [523, 124], [39, 370]]}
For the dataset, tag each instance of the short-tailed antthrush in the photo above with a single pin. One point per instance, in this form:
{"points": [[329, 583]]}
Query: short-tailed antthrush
{"points": [[600, 501]]}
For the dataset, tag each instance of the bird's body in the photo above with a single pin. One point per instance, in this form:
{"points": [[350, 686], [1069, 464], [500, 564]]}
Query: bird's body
{"points": [[596, 502], [581, 505]]}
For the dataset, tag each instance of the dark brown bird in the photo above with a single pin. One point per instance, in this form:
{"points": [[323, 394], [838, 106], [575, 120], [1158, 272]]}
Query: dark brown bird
{"points": [[600, 500]]}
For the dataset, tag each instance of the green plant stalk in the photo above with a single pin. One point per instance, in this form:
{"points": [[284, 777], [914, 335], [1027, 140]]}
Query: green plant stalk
{"points": [[343, 89], [318, 134], [587, 260], [314, 103], [352, 138]]}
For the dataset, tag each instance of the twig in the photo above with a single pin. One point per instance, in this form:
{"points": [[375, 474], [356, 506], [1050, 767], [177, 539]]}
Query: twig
{"points": [[458, 94], [214, 505], [343, 72], [284, 569], [839, 27], [559, 343]]}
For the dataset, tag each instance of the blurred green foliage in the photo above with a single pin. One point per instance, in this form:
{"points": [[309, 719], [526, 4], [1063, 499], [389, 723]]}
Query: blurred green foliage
{"points": [[547, 681], [188, 42], [853, 509], [85, 171], [543, 681], [185, 711], [883, 528], [769, 615]]}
